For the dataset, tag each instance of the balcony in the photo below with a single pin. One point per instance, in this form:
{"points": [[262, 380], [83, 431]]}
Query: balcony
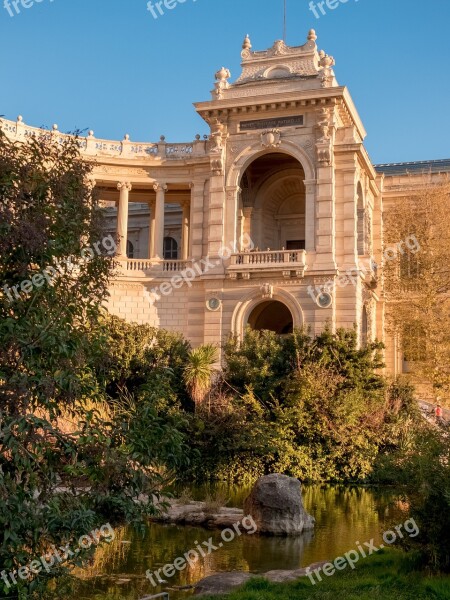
{"points": [[287, 263], [154, 268]]}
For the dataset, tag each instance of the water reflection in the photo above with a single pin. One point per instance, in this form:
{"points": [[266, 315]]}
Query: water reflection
{"points": [[344, 515]]}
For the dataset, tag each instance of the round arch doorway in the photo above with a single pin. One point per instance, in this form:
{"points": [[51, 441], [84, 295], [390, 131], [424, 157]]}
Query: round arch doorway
{"points": [[272, 315]]}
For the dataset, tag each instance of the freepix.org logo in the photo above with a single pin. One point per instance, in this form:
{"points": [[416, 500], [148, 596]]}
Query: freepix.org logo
{"points": [[158, 9], [318, 8], [13, 7]]}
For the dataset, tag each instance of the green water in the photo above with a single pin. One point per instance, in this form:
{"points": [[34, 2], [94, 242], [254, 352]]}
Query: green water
{"points": [[343, 516]]}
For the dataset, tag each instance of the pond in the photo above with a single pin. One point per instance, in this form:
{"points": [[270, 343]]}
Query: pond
{"points": [[344, 515]]}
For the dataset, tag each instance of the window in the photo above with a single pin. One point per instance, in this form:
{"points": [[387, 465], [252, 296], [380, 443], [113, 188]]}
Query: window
{"points": [[413, 343], [130, 249], [170, 249], [361, 223], [409, 266], [295, 245], [364, 328]]}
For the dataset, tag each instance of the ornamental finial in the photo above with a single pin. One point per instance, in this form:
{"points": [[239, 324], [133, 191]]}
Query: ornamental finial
{"points": [[247, 45], [312, 35]]}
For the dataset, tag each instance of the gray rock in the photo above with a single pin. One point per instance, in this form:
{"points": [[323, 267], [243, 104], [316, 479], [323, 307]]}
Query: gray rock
{"points": [[195, 514], [276, 505], [222, 583]]}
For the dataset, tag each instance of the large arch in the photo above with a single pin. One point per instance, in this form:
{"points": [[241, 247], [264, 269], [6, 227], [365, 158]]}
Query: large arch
{"points": [[271, 315], [235, 214], [245, 307], [251, 153]]}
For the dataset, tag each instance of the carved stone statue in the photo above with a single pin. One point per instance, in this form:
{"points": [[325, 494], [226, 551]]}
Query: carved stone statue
{"points": [[218, 131]]}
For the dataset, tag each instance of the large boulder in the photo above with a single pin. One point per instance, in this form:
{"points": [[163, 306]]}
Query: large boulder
{"points": [[276, 505]]}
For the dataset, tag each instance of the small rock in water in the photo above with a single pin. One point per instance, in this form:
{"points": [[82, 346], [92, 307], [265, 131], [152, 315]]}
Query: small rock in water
{"points": [[221, 583]]}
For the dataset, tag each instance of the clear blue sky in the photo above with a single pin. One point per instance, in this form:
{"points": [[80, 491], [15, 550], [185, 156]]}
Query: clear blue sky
{"points": [[111, 66]]}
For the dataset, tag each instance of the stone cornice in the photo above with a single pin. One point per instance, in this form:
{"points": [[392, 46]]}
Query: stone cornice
{"points": [[293, 99]]}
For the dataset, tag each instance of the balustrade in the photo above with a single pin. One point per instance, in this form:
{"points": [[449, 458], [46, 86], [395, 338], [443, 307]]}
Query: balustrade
{"points": [[92, 146]]}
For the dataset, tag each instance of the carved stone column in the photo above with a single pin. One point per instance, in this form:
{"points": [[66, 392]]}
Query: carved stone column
{"points": [[185, 231], [197, 218], [151, 232], [240, 230], [325, 192], [160, 189], [247, 228], [232, 208], [310, 212], [124, 188]]}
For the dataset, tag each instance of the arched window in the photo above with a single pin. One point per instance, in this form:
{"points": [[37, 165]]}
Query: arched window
{"points": [[170, 249], [362, 242], [364, 328], [130, 249]]}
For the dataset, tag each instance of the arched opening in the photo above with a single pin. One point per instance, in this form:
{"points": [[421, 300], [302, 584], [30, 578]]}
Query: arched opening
{"points": [[130, 249], [272, 316], [361, 215], [274, 202], [170, 249], [364, 328]]}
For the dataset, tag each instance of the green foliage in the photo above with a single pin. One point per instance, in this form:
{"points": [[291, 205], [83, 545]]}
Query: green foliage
{"points": [[425, 472], [313, 408], [64, 469], [264, 360], [416, 456], [140, 357]]}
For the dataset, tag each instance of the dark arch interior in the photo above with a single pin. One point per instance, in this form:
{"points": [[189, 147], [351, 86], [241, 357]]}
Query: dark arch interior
{"points": [[272, 316], [273, 197]]}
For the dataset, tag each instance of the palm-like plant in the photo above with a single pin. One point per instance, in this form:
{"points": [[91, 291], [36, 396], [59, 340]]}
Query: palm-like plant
{"points": [[198, 372]]}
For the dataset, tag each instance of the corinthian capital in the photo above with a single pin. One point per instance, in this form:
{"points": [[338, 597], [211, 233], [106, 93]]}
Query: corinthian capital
{"points": [[159, 187], [124, 185]]}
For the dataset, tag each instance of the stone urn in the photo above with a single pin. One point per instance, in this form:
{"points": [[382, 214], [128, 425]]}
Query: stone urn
{"points": [[276, 505]]}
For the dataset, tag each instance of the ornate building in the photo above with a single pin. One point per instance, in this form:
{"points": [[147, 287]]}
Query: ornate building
{"points": [[273, 221]]}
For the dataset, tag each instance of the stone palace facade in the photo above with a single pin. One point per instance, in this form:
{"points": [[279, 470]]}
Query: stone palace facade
{"points": [[273, 221]]}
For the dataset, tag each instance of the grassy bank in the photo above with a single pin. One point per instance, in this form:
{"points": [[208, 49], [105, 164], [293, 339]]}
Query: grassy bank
{"points": [[381, 577]]}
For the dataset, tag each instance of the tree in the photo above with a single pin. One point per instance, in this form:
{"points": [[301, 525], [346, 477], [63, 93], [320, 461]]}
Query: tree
{"points": [[60, 481], [417, 282], [312, 408]]}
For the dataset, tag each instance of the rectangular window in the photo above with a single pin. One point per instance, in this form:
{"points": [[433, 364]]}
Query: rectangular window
{"points": [[295, 245], [414, 343]]}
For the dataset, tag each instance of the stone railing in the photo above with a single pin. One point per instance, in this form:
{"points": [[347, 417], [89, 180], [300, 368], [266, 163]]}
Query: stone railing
{"points": [[175, 266], [92, 146], [290, 263], [153, 266], [138, 264], [269, 257]]}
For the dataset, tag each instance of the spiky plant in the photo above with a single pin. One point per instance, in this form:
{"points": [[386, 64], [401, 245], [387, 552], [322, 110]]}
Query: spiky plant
{"points": [[198, 372]]}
